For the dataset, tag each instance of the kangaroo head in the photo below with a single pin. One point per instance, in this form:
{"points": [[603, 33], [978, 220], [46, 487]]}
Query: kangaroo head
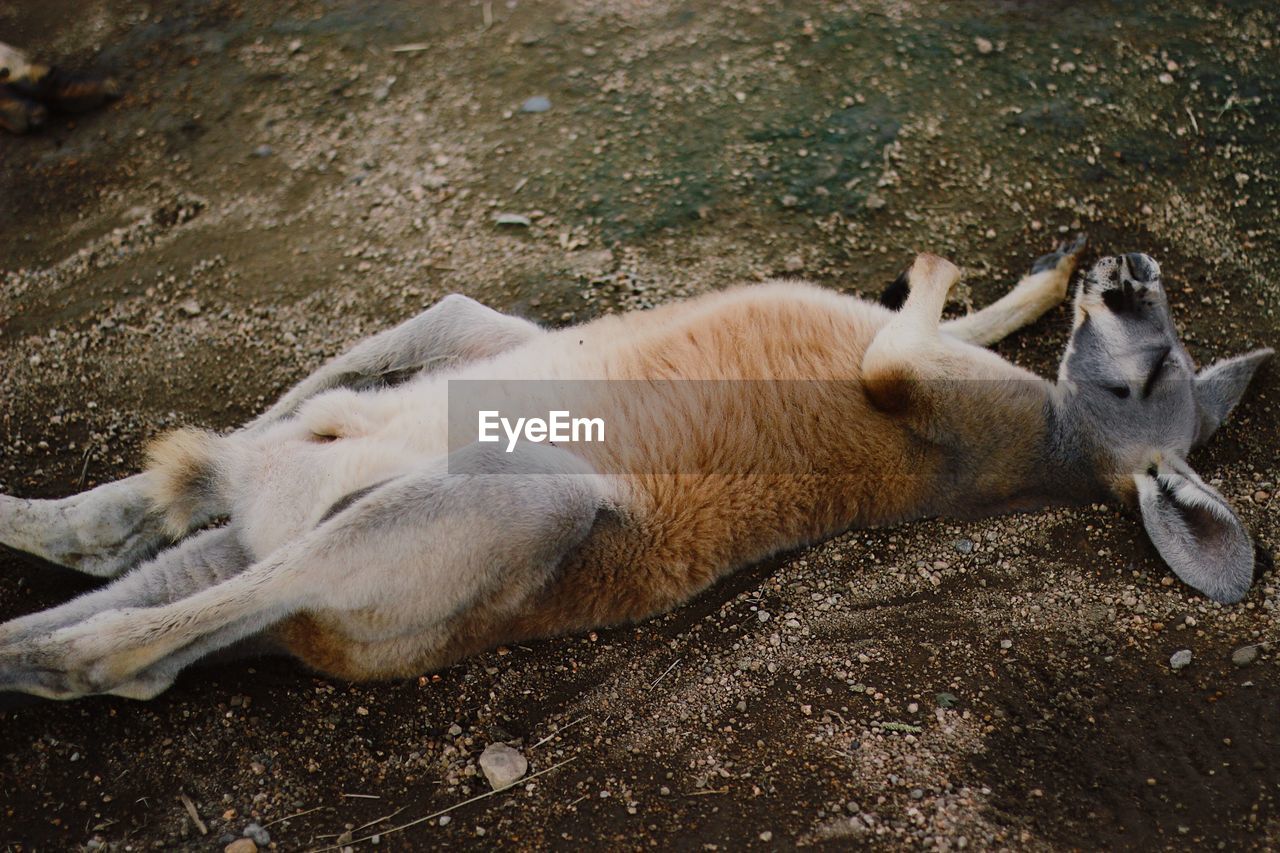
{"points": [[1136, 406]]}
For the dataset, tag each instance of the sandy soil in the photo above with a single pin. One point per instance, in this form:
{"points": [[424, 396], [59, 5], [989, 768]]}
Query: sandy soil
{"points": [[280, 181]]}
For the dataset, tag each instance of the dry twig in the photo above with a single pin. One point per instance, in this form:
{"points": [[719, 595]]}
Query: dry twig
{"points": [[191, 810], [442, 811]]}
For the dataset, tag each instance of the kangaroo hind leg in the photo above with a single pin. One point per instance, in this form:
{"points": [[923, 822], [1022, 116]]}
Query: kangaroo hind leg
{"points": [[195, 564], [101, 532], [455, 329], [112, 528], [396, 564]]}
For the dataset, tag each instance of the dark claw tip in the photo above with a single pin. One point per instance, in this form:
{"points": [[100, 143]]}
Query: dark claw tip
{"points": [[1075, 246], [895, 295], [1065, 249], [1263, 562]]}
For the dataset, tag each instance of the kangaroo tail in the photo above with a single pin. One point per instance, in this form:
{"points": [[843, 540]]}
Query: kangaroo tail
{"points": [[187, 486]]}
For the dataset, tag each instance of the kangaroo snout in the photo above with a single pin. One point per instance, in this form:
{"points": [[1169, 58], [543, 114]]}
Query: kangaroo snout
{"points": [[1134, 269], [1140, 268]]}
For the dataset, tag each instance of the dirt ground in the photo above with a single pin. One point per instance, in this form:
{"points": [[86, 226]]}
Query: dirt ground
{"points": [[283, 179]]}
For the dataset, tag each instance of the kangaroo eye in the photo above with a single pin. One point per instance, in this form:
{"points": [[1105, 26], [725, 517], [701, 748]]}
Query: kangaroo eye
{"points": [[1121, 391]]}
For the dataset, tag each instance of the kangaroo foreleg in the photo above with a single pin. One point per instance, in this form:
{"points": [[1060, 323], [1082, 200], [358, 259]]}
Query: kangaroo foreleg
{"points": [[1042, 288], [912, 369]]}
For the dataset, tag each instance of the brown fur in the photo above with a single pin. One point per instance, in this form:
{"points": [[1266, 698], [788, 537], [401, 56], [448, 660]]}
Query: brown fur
{"points": [[755, 468]]}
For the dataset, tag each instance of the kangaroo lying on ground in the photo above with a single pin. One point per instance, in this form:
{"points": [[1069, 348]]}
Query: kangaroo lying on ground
{"points": [[365, 543]]}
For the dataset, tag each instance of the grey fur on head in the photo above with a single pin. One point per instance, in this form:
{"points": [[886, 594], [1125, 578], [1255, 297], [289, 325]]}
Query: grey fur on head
{"points": [[1137, 405]]}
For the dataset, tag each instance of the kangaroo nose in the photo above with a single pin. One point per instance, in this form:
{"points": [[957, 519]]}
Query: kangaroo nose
{"points": [[1141, 268]]}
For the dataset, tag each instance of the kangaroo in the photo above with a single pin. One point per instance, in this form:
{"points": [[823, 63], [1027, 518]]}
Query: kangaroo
{"points": [[362, 537]]}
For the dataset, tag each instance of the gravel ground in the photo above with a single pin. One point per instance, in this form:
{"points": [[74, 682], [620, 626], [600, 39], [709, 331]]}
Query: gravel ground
{"points": [[283, 179]]}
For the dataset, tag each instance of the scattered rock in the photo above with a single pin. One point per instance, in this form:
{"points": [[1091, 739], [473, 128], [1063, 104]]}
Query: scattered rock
{"points": [[963, 546], [766, 836], [1006, 644], [191, 308], [1180, 659], [241, 845], [384, 89], [536, 104], [984, 46], [516, 219], [263, 151], [445, 820], [1244, 655], [455, 730], [502, 765], [257, 834]]}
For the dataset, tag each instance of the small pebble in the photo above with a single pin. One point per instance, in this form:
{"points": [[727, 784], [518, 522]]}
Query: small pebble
{"points": [[502, 765], [766, 836], [191, 308], [241, 845], [455, 730], [1180, 659], [984, 46], [536, 104], [263, 151]]}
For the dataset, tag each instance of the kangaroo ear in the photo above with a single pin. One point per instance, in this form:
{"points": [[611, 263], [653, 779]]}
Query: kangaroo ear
{"points": [[1195, 531], [1221, 385]]}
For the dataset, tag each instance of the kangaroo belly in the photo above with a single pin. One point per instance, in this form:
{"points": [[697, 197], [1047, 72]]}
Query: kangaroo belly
{"points": [[282, 489]]}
